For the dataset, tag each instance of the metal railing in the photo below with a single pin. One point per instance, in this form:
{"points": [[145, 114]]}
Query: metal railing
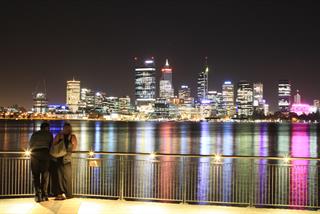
{"points": [[230, 180]]}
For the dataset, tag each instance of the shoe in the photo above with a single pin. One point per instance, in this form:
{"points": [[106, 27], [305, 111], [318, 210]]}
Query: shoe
{"points": [[38, 197], [60, 197], [45, 198], [64, 196]]}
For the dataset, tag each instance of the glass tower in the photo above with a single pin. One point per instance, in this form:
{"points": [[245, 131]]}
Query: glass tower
{"points": [[145, 81], [284, 94]]}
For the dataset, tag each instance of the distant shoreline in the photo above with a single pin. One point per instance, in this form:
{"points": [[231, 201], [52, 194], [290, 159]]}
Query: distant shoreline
{"points": [[160, 121]]}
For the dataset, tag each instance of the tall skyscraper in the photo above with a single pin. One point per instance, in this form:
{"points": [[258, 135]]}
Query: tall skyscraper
{"points": [[284, 94], [257, 95], [244, 99], [87, 97], [145, 82], [73, 95], [297, 98], [202, 84], [166, 87], [40, 103], [228, 98], [215, 99]]}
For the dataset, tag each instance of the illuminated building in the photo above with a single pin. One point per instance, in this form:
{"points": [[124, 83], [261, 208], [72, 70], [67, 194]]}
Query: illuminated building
{"points": [[265, 108], [99, 99], [202, 84], [145, 83], [87, 97], [284, 94], [40, 103], [111, 105], [161, 108], [244, 99], [228, 98], [257, 94], [124, 105], [300, 109], [166, 87], [185, 94], [58, 109], [297, 98], [215, 99], [73, 95]]}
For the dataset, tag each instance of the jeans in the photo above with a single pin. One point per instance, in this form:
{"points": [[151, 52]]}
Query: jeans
{"points": [[40, 170]]}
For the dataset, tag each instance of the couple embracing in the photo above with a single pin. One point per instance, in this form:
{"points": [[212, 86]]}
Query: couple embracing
{"points": [[51, 157]]}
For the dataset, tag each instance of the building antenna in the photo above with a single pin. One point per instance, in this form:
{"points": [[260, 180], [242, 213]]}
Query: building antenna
{"points": [[45, 86], [167, 62]]}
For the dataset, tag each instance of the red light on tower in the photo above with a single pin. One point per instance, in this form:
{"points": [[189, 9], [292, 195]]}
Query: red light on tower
{"points": [[166, 69]]}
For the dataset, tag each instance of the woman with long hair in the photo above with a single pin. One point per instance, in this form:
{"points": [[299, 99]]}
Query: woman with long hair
{"points": [[63, 167]]}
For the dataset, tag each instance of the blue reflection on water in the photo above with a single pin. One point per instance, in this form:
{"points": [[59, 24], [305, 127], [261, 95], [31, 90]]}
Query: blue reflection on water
{"points": [[227, 169], [203, 172]]}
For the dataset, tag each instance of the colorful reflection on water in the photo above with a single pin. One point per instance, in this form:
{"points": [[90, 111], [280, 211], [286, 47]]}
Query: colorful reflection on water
{"points": [[170, 137]]}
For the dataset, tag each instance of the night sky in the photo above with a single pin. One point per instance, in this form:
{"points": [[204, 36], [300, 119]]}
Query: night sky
{"points": [[96, 41]]}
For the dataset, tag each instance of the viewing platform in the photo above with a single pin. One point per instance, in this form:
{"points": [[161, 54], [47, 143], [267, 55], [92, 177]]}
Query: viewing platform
{"points": [[97, 206], [113, 182]]}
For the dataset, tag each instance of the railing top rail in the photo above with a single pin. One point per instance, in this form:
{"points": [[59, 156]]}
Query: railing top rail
{"points": [[155, 154]]}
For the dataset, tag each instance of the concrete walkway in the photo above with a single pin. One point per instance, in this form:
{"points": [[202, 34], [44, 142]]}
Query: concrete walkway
{"points": [[93, 206]]}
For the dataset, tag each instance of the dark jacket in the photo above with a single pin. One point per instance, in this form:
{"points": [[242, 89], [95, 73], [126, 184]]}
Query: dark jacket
{"points": [[41, 140]]}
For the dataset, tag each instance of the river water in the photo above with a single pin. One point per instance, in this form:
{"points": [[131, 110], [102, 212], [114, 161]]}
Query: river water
{"points": [[259, 139]]}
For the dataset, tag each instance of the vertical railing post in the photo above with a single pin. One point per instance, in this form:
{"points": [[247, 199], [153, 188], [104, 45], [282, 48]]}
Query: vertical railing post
{"points": [[121, 177], [251, 184], [184, 184]]}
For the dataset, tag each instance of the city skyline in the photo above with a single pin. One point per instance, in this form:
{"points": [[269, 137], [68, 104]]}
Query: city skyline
{"points": [[260, 42], [158, 71]]}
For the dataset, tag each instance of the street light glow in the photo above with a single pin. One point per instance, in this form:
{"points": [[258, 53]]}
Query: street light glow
{"points": [[27, 153]]}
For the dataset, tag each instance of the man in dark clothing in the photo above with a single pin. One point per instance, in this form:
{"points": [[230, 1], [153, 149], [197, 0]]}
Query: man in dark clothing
{"points": [[40, 144]]}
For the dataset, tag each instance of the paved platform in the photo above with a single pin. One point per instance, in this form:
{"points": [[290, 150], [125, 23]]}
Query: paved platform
{"points": [[93, 206]]}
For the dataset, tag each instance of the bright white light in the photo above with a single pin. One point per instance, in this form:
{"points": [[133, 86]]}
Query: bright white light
{"points": [[217, 158], [205, 101], [227, 82], [152, 155], [27, 153], [145, 69], [286, 159], [91, 154], [149, 61]]}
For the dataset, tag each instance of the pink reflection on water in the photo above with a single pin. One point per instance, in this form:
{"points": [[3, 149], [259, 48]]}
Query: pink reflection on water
{"points": [[299, 172], [166, 164], [263, 151]]}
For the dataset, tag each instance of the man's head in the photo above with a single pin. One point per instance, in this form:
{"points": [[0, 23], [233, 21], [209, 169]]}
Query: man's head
{"points": [[45, 126], [67, 128]]}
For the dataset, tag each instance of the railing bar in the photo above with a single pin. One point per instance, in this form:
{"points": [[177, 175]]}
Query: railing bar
{"points": [[179, 155], [220, 167], [2, 177]]}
